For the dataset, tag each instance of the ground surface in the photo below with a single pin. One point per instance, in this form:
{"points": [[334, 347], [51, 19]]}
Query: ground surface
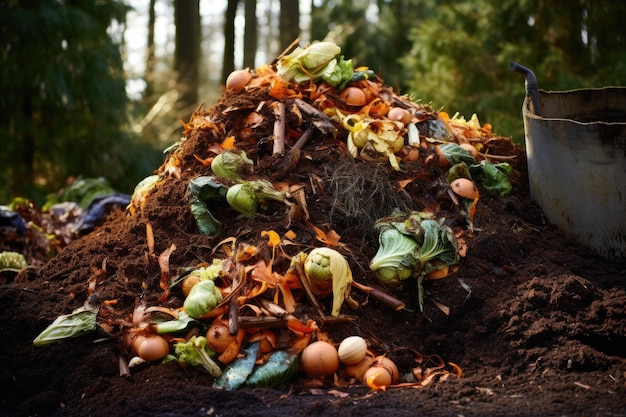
{"points": [[536, 322]]}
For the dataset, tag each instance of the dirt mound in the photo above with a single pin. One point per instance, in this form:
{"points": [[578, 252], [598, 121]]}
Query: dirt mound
{"points": [[536, 322]]}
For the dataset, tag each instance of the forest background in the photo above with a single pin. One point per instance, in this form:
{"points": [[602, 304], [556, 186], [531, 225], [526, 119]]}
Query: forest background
{"points": [[97, 88]]}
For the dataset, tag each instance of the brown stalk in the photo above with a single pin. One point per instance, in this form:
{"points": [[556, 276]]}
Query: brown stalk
{"points": [[380, 295], [279, 129]]}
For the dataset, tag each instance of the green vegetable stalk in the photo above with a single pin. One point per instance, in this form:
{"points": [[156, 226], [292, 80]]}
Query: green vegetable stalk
{"points": [[246, 196], [195, 352]]}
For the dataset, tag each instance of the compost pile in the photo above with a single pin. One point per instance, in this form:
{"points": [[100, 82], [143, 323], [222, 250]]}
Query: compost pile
{"points": [[300, 167]]}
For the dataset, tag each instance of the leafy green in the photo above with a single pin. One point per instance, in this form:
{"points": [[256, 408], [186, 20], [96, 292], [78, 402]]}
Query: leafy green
{"points": [[199, 191], [81, 191], [411, 246], [493, 177], [238, 370], [228, 164], [195, 352], [455, 154], [393, 262], [202, 298], [318, 62], [174, 326], [280, 366], [78, 323]]}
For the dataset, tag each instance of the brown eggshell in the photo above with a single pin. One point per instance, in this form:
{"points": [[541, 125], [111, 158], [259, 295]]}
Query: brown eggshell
{"points": [[465, 188], [399, 114], [389, 365], [378, 376], [237, 80], [353, 96], [152, 347], [358, 369], [319, 359]]}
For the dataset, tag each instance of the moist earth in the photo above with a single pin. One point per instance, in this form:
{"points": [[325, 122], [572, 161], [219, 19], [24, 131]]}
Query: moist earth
{"points": [[536, 322]]}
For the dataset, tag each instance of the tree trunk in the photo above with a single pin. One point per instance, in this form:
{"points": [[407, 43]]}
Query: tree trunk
{"points": [[187, 55], [289, 24], [250, 34], [150, 57], [228, 60]]}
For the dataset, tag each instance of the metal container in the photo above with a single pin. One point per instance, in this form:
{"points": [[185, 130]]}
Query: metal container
{"points": [[576, 151]]}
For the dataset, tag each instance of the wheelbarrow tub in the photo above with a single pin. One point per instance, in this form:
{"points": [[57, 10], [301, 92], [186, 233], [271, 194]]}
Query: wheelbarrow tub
{"points": [[576, 151]]}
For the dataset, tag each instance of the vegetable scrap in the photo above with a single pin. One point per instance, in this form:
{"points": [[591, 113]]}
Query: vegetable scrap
{"points": [[258, 308]]}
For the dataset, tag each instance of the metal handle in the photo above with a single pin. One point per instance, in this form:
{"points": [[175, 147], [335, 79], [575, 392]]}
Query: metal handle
{"points": [[532, 88]]}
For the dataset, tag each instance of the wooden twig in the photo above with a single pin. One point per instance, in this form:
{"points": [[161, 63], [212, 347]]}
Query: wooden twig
{"points": [[380, 295], [293, 155], [319, 119], [287, 50], [279, 129]]}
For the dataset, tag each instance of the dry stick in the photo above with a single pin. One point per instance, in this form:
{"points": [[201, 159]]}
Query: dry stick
{"points": [[319, 119], [292, 157], [381, 296], [279, 129], [286, 51], [233, 316], [304, 281]]}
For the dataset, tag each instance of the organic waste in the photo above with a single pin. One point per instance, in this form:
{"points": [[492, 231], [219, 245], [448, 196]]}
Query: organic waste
{"points": [[349, 258]]}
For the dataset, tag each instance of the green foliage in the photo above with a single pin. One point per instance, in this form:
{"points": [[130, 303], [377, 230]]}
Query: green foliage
{"points": [[63, 107], [461, 53]]}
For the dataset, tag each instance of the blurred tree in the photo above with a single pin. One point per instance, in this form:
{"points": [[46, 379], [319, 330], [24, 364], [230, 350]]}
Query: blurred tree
{"points": [[289, 22], [373, 33], [228, 59], [149, 74], [63, 102], [250, 36], [187, 54], [461, 53]]}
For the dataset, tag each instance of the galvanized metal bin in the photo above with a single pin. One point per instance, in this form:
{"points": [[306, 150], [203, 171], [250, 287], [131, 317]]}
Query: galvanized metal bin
{"points": [[576, 150]]}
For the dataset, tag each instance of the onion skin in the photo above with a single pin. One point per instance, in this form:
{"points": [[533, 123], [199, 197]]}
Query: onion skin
{"points": [[218, 338], [319, 359], [352, 350]]}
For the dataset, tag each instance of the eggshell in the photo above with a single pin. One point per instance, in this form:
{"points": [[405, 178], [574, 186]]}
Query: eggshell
{"points": [[377, 376], [389, 365], [353, 96], [358, 369], [319, 359], [399, 114], [465, 188], [152, 347], [237, 80]]}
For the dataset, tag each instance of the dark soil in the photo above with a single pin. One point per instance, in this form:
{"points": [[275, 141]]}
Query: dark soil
{"points": [[536, 322]]}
